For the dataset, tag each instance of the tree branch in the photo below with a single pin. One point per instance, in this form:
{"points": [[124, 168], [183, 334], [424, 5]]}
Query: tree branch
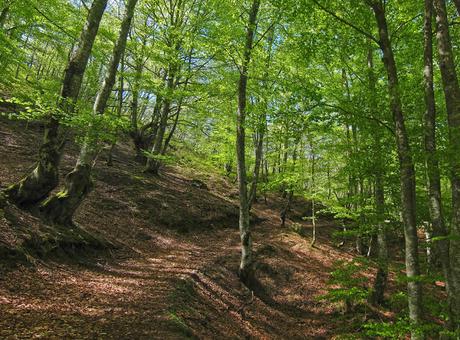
{"points": [[342, 20]]}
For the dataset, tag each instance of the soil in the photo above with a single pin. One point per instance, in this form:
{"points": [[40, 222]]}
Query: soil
{"points": [[171, 269]]}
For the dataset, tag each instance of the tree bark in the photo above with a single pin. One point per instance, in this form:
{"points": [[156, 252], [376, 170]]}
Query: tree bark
{"points": [[153, 165], [245, 269], [381, 278], [457, 5], [60, 207], [313, 191], [121, 87], [259, 148], [441, 247], [261, 129], [407, 172], [179, 105], [45, 176], [452, 96]]}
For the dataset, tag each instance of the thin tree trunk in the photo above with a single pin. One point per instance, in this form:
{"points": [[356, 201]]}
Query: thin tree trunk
{"points": [[45, 176], [245, 268], [260, 134], [287, 206], [313, 191], [60, 208], [441, 247], [381, 278], [407, 172], [121, 86], [452, 95], [457, 5], [258, 161], [136, 134], [172, 130], [289, 191], [153, 165]]}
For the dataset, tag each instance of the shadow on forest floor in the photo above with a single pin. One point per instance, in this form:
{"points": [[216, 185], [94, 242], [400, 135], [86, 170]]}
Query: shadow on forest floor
{"points": [[173, 272]]}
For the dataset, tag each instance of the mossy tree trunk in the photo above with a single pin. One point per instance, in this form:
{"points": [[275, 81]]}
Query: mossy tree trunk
{"points": [[45, 176], [60, 207]]}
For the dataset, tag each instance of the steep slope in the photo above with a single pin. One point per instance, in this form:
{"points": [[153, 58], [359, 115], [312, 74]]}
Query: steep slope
{"points": [[172, 270]]}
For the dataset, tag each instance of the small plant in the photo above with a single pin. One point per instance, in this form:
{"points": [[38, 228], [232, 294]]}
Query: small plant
{"points": [[298, 228], [347, 286], [388, 330], [401, 328]]}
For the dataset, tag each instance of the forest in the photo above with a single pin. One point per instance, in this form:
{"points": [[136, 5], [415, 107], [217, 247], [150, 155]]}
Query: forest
{"points": [[222, 169]]}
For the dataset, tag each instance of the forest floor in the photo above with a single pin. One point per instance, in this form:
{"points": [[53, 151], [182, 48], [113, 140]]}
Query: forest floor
{"points": [[172, 272]]}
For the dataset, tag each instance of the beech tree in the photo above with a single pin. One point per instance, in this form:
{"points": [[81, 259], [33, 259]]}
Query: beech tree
{"points": [[245, 232], [60, 207], [407, 171], [45, 176], [342, 112], [452, 96]]}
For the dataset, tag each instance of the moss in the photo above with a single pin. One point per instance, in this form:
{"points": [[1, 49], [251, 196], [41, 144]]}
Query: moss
{"points": [[138, 178], [62, 194], [179, 324]]}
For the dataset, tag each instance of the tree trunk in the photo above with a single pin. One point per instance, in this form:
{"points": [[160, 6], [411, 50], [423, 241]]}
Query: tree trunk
{"points": [[153, 164], [258, 161], [45, 177], [171, 131], [457, 5], [452, 95], [262, 127], [313, 191], [289, 191], [245, 269], [121, 87], [407, 172], [60, 208], [381, 278]]}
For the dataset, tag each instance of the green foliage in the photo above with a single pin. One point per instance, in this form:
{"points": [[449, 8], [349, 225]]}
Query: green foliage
{"points": [[348, 284], [328, 135], [396, 330], [165, 159], [401, 328], [31, 110]]}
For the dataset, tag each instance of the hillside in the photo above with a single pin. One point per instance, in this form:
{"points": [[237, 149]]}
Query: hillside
{"points": [[171, 269], [238, 130]]}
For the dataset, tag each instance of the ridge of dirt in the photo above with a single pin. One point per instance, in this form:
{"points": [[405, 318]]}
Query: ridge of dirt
{"points": [[173, 274]]}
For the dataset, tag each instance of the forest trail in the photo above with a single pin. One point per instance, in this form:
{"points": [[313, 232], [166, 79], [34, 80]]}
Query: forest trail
{"points": [[173, 274]]}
